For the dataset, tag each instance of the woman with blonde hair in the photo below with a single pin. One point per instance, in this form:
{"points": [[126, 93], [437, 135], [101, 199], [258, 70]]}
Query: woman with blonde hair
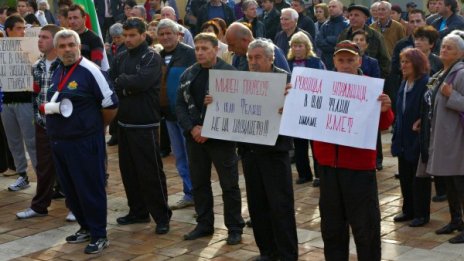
{"points": [[301, 54]]}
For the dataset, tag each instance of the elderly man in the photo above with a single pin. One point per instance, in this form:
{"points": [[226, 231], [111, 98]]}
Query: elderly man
{"points": [[358, 16], [238, 37], [250, 16], [202, 152], [78, 141], [328, 34], [289, 25], [268, 178], [348, 189], [175, 58], [391, 30], [139, 11], [168, 12], [137, 77]]}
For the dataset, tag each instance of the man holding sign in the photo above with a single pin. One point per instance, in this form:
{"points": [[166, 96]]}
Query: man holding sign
{"points": [[348, 185], [202, 151]]}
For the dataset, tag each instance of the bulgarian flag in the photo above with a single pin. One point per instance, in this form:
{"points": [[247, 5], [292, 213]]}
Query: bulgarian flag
{"points": [[91, 22]]}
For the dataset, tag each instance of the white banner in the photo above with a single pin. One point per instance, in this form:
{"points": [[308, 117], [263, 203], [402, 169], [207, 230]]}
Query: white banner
{"points": [[245, 106], [17, 54], [333, 107]]}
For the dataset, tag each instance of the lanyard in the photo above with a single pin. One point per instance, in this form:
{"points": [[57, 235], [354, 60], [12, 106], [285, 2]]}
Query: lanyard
{"points": [[63, 81]]}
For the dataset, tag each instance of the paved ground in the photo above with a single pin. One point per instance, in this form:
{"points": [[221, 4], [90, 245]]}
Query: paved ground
{"points": [[43, 238]]}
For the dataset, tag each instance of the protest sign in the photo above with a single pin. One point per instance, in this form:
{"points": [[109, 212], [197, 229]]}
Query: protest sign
{"points": [[33, 31], [245, 106], [333, 107], [17, 54]]}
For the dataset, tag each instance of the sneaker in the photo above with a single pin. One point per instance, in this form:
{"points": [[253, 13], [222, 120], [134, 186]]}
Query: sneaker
{"points": [[80, 236], [183, 203], [20, 183], [13, 173], [70, 217], [97, 245], [28, 213]]}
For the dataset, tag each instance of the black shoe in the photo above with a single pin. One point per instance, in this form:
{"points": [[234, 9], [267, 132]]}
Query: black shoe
{"points": [[57, 195], [450, 228], [316, 182], [113, 141], [128, 219], [197, 233], [402, 217], [459, 239], [419, 222], [162, 229], [439, 198], [379, 166], [303, 180], [234, 238], [248, 223]]}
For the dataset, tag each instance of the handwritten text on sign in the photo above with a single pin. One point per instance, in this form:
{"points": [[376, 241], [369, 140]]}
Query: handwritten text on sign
{"points": [[245, 106], [332, 107], [17, 54]]}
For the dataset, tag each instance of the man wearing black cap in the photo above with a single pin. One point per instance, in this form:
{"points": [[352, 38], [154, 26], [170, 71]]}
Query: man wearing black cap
{"points": [[358, 16], [348, 188]]}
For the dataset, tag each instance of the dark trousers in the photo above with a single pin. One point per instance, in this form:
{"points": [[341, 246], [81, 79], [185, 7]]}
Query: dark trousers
{"points": [[303, 166], [379, 148], [80, 167], [142, 173], [440, 185], [349, 198], [416, 191], [113, 128], [455, 193], [223, 155], [165, 143], [269, 189], [45, 171], [6, 159]]}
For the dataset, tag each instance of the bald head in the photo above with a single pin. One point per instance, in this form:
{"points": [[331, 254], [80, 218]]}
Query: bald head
{"points": [[238, 36], [169, 13]]}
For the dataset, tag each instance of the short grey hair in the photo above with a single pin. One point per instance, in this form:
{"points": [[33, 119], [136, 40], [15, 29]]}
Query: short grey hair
{"points": [[66, 33], [386, 4], [142, 11], [293, 13], [168, 23], [457, 36], [44, 2], [375, 5], [266, 44], [116, 29], [248, 3]]}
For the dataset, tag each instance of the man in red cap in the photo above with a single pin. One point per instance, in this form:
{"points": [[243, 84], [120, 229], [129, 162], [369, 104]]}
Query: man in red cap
{"points": [[348, 188]]}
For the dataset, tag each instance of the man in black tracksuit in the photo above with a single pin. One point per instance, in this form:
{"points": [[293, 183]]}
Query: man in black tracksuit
{"points": [[137, 77], [190, 111]]}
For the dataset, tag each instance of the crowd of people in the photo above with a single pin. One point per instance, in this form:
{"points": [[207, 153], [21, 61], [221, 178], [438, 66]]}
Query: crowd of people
{"points": [[155, 94]]}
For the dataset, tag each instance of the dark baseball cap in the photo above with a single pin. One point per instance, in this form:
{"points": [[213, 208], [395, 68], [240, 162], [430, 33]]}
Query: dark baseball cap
{"points": [[361, 8], [347, 46]]}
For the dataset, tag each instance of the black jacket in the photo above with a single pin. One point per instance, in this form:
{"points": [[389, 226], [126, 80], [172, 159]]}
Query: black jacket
{"points": [[271, 23], [257, 27], [307, 24], [188, 114], [137, 77]]}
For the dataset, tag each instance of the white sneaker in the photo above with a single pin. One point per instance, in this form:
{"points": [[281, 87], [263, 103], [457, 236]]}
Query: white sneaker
{"points": [[28, 213], [70, 217], [20, 183]]}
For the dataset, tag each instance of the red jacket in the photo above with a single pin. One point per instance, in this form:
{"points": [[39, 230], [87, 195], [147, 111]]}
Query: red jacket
{"points": [[338, 156]]}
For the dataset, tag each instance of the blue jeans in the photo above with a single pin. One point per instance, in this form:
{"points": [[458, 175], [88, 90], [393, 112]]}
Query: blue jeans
{"points": [[179, 150]]}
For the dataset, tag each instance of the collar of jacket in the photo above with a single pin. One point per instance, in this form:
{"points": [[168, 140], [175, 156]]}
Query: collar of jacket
{"points": [[337, 19], [142, 47]]}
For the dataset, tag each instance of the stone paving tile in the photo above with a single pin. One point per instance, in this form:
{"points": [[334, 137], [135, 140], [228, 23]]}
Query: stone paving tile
{"points": [[43, 238]]}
